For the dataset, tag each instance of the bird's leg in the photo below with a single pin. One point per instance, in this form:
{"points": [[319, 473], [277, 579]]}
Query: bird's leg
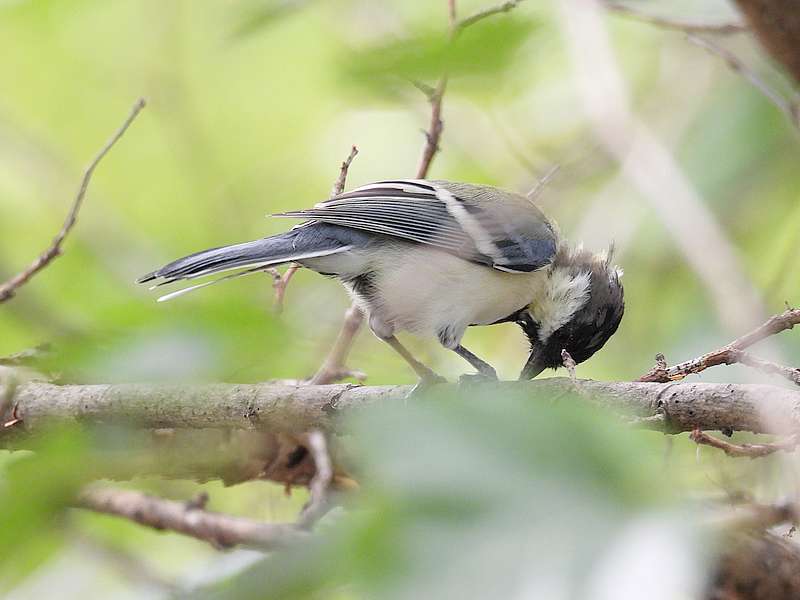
{"points": [[485, 370], [427, 376]]}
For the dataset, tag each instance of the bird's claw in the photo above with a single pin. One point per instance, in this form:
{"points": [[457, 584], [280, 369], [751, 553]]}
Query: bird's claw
{"points": [[425, 384]]}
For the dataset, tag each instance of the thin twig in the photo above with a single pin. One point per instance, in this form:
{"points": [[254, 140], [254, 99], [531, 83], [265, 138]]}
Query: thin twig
{"points": [[333, 368], [542, 182], [789, 108], [435, 127], [754, 516], [26, 357], [727, 355], [482, 14], [9, 288], [279, 284], [319, 503], [676, 24], [744, 450], [220, 530], [338, 186], [767, 366]]}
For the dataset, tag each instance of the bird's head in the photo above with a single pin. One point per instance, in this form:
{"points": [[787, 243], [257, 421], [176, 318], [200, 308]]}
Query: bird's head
{"points": [[578, 309]]}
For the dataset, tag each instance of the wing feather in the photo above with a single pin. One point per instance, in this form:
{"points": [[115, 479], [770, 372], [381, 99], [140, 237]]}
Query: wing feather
{"points": [[429, 213]]}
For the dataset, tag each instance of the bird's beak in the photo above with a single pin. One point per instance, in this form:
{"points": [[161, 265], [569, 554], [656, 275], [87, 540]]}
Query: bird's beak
{"points": [[534, 366]]}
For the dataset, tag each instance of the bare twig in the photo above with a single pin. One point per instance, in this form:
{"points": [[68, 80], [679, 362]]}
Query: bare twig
{"points": [[745, 450], [790, 108], [279, 284], [338, 186], [220, 530], [434, 132], [754, 516], [482, 14], [537, 189], [25, 357], [676, 24], [730, 354], [319, 503], [767, 366], [9, 288]]}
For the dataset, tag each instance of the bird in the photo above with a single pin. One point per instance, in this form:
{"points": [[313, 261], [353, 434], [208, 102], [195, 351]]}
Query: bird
{"points": [[434, 257]]}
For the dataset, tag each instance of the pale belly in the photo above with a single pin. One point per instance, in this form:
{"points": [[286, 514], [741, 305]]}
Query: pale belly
{"points": [[435, 293]]}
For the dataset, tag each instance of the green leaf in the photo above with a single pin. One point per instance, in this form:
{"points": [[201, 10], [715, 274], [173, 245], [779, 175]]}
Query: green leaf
{"points": [[35, 489], [486, 48], [479, 496]]}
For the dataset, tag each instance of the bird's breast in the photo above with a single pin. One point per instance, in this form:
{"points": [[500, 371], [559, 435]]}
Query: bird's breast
{"points": [[425, 290]]}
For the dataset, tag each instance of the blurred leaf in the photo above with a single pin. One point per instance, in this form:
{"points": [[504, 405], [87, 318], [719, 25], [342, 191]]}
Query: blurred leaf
{"points": [[265, 13], [487, 497], [34, 491], [486, 48]]}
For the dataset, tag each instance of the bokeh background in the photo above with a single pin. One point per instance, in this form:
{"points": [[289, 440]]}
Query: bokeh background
{"points": [[252, 106]]}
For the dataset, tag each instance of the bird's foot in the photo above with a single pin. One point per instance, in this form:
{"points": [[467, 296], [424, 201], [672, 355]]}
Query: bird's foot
{"points": [[425, 384]]}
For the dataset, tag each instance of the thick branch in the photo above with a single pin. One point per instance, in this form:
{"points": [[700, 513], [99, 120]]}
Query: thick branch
{"points": [[285, 408], [220, 530], [730, 354], [9, 288], [776, 24]]}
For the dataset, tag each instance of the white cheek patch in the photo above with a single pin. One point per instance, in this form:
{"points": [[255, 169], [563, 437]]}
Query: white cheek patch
{"points": [[566, 294]]}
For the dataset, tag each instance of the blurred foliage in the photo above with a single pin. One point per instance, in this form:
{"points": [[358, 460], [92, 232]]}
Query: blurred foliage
{"points": [[34, 491], [472, 497], [252, 106], [484, 50]]}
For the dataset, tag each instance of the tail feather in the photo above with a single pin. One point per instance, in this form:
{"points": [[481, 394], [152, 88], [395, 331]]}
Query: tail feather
{"points": [[250, 256]]}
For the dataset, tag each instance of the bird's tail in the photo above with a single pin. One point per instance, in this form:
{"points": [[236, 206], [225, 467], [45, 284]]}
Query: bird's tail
{"points": [[245, 258]]}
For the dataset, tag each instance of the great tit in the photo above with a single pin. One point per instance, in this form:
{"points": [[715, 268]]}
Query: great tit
{"points": [[435, 257]]}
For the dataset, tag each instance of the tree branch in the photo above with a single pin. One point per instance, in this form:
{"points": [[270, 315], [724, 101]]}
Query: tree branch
{"points": [[318, 504], [676, 24], [54, 250], [730, 354], [745, 450], [220, 530], [280, 408], [338, 186], [482, 14], [789, 108]]}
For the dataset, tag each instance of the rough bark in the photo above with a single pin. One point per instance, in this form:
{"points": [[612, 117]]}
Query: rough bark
{"points": [[277, 408], [222, 531], [776, 24]]}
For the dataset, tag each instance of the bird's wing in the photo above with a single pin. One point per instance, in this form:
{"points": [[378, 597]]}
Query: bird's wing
{"points": [[482, 230]]}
